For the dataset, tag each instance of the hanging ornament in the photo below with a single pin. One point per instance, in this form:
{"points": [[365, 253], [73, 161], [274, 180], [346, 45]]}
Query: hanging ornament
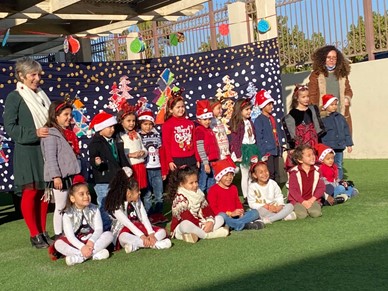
{"points": [[181, 36], [263, 26], [137, 45], [74, 45], [5, 37], [173, 39], [224, 29]]}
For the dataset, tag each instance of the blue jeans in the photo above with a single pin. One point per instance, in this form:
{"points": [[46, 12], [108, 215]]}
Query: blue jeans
{"points": [[342, 190], [338, 159], [205, 181], [101, 191], [155, 186], [239, 223]]}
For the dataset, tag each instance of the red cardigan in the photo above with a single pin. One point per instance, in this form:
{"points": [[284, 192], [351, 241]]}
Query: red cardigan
{"points": [[178, 138], [223, 200], [210, 143]]}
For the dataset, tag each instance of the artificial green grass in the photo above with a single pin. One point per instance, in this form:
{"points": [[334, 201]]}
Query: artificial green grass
{"points": [[345, 249]]}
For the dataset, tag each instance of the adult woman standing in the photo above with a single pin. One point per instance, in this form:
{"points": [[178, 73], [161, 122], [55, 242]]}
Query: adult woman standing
{"points": [[330, 76], [25, 113]]}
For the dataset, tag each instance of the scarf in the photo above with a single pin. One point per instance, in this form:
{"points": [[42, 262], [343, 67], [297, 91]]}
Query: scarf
{"points": [[195, 200], [37, 102], [330, 68]]}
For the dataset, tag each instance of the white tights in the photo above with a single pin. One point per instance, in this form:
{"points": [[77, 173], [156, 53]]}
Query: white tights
{"points": [[68, 250], [187, 226], [245, 180], [60, 198], [137, 242]]}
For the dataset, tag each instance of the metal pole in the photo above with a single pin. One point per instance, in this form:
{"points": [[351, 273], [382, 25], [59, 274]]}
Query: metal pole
{"points": [[369, 32], [213, 34], [155, 38], [116, 46]]}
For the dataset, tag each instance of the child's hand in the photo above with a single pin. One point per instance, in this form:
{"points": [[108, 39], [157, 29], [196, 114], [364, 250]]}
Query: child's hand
{"points": [[97, 161], [207, 169], [307, 204], [140, 154], [164, 177], [86, 251], [198, 165], [58, 183], [349, 149], [277, 208], [330, 200], [146, 241], [90, 244], [208, 227], [172, 166], [152, 239], [238, 212]]}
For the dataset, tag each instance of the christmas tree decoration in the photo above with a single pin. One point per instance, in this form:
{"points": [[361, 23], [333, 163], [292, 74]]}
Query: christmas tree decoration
{"points": [[263, 26], [224, 29], [119, 94], [251, 94]]}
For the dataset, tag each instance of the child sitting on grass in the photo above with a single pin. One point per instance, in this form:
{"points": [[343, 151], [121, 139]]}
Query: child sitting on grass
{"points": [[224, 201], [82, 227], [306, 187], [265, 195], [192, 217]]}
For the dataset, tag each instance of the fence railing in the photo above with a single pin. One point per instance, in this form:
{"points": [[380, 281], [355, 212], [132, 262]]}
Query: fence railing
{"points": [[357, 27]]}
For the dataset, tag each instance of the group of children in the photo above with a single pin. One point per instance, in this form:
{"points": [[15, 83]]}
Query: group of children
{"points": [[130, 160]]}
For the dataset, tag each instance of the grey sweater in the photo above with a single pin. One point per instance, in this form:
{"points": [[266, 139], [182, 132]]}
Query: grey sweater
{"points": [[59, 157]]}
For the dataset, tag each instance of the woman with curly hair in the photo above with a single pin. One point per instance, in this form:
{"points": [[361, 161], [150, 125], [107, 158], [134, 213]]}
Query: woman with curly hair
{"points": [[330, 76]]}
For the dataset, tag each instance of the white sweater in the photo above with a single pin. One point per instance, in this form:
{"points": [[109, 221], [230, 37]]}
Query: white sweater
{"points": [[258, 195], [131, 146]]}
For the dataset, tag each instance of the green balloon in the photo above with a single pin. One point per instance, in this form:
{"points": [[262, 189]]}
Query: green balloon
{"points": [[136, 46]]}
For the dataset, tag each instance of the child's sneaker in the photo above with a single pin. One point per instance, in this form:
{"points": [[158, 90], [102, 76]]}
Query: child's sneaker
{"points": [[220, 232], [250, 226], [190, 237], [260, 224], [163, 244], [291, 216], [355, 192], [101, 255], [266, 220], [129, 248], [76, 259], [338, 197]]}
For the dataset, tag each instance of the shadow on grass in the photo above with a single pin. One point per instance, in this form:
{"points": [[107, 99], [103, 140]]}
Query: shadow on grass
{"points": [[9, 208], [360, 268]]}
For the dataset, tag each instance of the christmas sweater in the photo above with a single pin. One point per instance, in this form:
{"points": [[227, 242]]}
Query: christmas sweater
{"points": [[152, 142], [219, 130], [206, 145], [259, 195], [223, 200]]}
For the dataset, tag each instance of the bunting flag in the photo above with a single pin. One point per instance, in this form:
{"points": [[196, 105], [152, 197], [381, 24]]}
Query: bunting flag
{"points": [[227, 74]]}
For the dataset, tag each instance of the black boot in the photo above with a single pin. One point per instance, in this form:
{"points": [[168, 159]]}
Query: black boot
{"points": [[47, 238], [39, 242]]}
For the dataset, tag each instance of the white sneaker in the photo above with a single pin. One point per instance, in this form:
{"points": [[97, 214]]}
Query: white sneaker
{"points": [[220, 232], [129, 248], [291, 216], [101, 255], [266, 220], [190, 237], [76, 259], [163, 244]]}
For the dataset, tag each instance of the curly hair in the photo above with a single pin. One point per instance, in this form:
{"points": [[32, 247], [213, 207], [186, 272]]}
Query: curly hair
{"points": [[342, 68], [297, 155], [236, 118], [55, 109], [295, 94], [177, 177], [117, 193]]}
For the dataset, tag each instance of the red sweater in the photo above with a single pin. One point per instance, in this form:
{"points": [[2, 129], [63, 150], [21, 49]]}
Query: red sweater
{"points": [[210, 143], [330, 173], [178, 138], [222, 200]]}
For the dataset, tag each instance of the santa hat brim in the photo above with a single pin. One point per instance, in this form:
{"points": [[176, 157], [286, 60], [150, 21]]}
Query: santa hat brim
{"points": [[106, 123], [324, 154], [205, 115], [146, 117], [331, 100], [226, 170], [262, 105]]}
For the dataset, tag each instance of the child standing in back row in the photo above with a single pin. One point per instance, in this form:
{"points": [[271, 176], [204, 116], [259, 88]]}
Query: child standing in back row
{"points": [[152, 142], [337, 135], [207, 150], [178, 134], [243, 140], [219, 129], [60, 161]]}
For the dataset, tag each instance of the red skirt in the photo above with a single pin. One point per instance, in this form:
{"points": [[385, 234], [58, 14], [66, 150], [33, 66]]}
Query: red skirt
{"points": [[140, 174]]}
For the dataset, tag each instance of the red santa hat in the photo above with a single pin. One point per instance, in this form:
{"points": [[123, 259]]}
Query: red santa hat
{"points": [[146, 115], [204, 110], [327, 100], [102, 120], [322, 151], [263, 98], [222, 167]]}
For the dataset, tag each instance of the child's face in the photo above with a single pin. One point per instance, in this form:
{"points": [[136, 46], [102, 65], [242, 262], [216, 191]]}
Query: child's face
{"points": [[226, 180], [246, 112], [268, 108], [146, 126], [133, 195], [63, 119], [303, 98], [179, 109], [190, 183], [217, 111], [129, 122], [261, 174], [107, 131], [329, 159], [308, 157], [81, 197], [205, 122], [332, 107]]}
